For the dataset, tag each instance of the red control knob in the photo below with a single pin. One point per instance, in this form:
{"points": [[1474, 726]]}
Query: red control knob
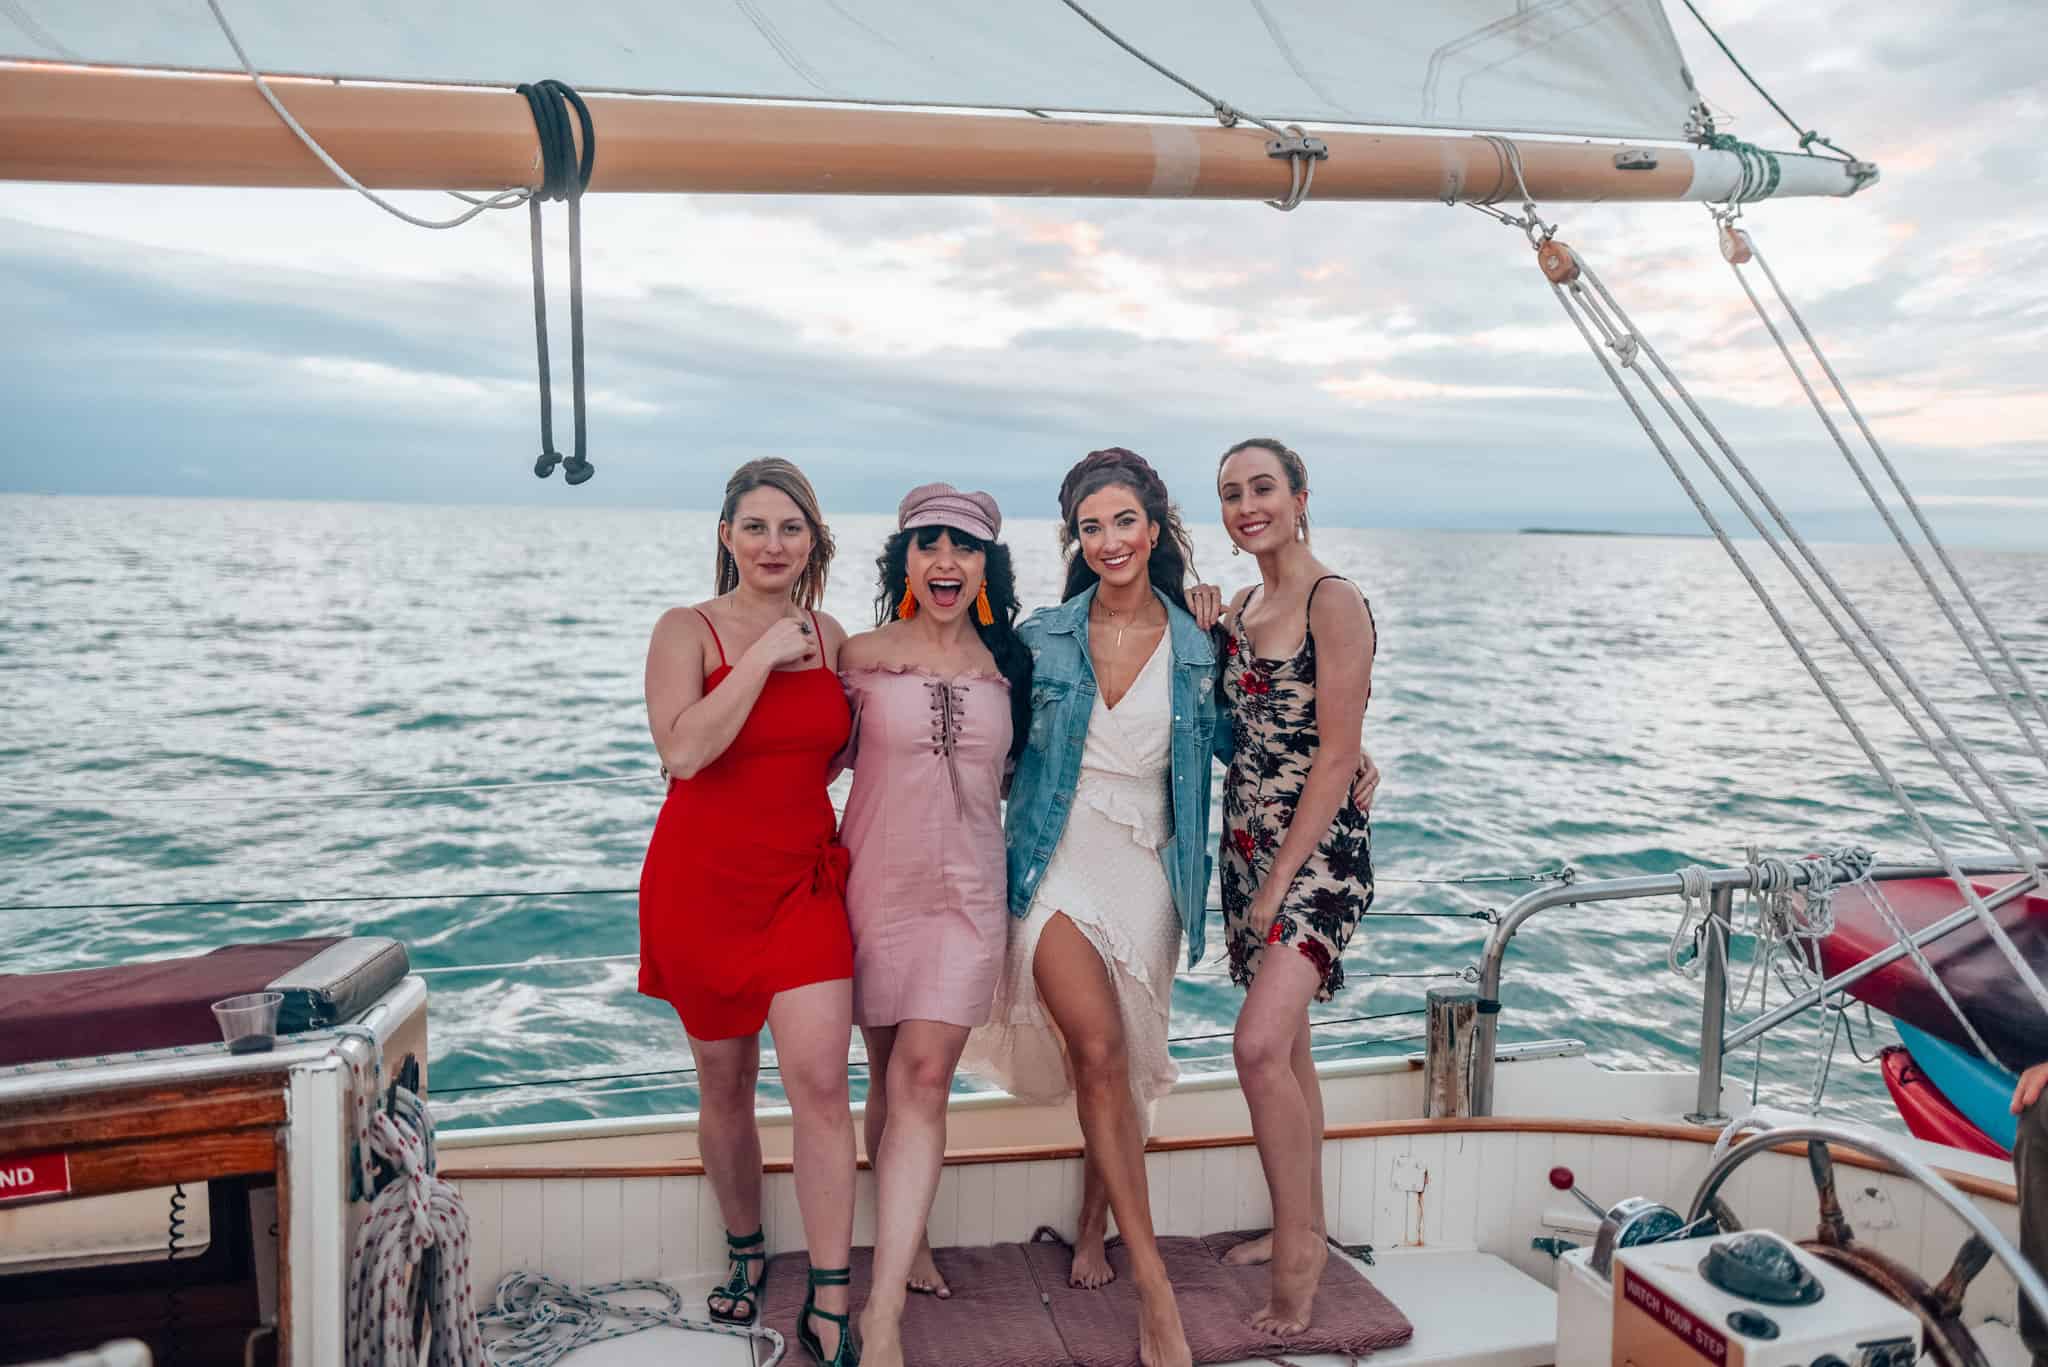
{"points": [[1562, 1179]]}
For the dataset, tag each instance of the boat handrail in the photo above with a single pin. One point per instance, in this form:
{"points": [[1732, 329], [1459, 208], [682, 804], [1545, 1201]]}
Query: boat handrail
{"points": [[1720, 885]]}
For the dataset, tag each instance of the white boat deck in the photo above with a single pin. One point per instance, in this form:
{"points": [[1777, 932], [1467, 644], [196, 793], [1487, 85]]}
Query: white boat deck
{"points": [[1470, 1309]]}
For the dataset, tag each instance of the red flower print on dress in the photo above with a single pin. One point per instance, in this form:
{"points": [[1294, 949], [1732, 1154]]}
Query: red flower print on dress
{"points": [[1253, 684], [1242, 838]]}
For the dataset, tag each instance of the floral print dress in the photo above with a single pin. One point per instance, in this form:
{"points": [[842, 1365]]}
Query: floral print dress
{"points": [[1273, 721]]}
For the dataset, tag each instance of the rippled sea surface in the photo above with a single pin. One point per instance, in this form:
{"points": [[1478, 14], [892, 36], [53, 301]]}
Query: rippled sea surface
{"points": [[1621, 705]]}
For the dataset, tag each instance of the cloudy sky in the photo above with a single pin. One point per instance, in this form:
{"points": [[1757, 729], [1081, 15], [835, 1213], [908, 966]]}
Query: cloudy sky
{"points": [[301, 344]]}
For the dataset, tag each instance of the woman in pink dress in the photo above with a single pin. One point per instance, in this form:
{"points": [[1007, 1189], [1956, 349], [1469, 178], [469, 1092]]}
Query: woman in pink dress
{"points": [[938, 692]]}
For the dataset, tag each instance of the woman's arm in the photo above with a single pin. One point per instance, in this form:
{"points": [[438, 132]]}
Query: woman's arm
{"points": [[853, 652], [1223, 740], [690, 727], [1344, 650]]}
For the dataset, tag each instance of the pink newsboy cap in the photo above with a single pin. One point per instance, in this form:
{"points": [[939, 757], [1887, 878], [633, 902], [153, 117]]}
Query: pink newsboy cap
{"points": [[941, 505]]}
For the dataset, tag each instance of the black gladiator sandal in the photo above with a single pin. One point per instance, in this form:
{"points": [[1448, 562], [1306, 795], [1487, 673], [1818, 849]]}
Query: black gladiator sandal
{"points": [[847, 1354], [740, 1289]]}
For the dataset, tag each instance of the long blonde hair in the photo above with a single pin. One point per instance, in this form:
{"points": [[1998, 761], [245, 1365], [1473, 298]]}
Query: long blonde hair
{"points": [[773, 472]]}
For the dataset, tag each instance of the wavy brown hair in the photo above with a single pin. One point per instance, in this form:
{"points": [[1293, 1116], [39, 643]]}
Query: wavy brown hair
{"points": [[773, 472], [1168, 564]]}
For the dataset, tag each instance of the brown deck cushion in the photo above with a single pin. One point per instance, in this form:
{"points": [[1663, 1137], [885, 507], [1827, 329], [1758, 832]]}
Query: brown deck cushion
{"points": [[135, 1006], [1011, 1307]]}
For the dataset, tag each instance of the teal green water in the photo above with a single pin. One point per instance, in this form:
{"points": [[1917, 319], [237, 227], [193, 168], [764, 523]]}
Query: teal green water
{"points": [[1618, 704]]}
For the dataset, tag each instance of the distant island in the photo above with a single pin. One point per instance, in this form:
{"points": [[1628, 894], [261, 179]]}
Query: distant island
{"points": [[1591, 531]]}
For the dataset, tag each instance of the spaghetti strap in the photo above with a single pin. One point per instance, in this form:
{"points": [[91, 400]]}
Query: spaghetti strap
{"points": [[714, 636], [1310, 605]]}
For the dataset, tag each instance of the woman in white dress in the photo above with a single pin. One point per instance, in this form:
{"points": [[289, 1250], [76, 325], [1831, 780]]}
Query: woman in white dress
{"points": [[1108, 835]]}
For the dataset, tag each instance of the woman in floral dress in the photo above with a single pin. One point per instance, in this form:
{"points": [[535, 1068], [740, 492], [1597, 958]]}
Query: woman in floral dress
{"points": [[1297, 848]]}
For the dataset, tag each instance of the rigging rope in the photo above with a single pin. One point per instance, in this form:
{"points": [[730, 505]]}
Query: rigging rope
{"points": [[416, 1228], [504, 199], [565, 175], [1807, 137], [1301, 150], [2018, 674], [566, 162], [1598, 312], [2023, 822]]}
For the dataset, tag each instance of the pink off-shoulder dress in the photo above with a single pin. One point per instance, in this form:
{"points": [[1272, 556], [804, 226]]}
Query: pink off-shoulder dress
{"points": [[928, 892]]}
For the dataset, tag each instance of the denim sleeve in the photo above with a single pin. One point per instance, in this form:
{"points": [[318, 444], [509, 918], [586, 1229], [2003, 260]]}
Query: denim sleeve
{"points": [[1223, 736]]}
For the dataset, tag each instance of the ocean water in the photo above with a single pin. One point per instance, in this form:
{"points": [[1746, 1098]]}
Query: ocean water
{"points": [[1621, 705]]}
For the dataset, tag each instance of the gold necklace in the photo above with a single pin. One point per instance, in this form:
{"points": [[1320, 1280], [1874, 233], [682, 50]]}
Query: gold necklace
{"points": [[1120, 626]]}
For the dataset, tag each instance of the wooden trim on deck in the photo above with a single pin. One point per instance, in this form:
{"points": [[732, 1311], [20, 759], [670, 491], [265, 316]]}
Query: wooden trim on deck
{"points": [[152, 1135], [1371, 1129]]}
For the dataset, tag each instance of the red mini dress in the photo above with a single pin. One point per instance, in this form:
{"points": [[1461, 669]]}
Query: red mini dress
{"points": [[743, 891]]}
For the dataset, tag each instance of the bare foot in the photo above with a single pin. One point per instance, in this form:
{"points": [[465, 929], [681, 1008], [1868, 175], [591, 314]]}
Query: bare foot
{"points": [[1292, 1298], [924, 1273], [881, 1338], [1161, 1340], [1091, 1264], [1252, 1251]]}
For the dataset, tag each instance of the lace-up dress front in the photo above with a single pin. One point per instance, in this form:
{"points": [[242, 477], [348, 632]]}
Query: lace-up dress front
{"points": [[1106, 877], [927, 895]]}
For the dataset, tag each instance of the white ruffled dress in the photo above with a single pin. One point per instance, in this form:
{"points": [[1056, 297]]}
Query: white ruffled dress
{"points": [[1106, 876]]}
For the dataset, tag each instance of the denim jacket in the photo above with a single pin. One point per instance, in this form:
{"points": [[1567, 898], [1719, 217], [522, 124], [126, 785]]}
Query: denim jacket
{"points": [[1062, 699]]}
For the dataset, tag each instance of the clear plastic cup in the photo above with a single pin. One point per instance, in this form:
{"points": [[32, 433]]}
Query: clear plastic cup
{"points": [[249, 1022]]}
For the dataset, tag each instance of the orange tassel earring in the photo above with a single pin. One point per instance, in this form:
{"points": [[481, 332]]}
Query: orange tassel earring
{"points": [[983, 613], [907, 609]]}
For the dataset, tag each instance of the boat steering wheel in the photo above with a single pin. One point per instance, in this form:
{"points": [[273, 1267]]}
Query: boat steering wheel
{"points": [[1939, 1307]]}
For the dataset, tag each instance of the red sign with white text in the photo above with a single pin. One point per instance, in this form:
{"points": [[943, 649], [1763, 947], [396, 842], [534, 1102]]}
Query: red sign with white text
{"points": [[1705, 1340], [26, 1175]]}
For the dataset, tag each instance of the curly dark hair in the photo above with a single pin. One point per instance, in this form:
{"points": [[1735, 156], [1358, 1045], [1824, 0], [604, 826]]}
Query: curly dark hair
{"points": [[1169, 562], [1013, 660]]}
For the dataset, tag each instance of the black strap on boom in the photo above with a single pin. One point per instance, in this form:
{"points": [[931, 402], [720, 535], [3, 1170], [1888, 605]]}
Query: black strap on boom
{"points": [[565, 175]]}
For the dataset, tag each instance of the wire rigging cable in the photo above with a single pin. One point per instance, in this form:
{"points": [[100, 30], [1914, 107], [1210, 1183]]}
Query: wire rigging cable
{"points": [[1605, 327], [2019, 677]]}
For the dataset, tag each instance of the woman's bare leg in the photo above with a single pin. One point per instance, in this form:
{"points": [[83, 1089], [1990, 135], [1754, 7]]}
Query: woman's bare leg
{"points": [[1260, 1250], [1074, 984], [728, 1140], [880, 1039], [920, 1080], [812, 1025], [1274, 1018]]}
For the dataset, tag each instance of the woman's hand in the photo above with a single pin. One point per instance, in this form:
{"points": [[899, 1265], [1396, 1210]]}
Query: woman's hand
{"points": [[2029, 1089], [1366, 784], [1205, 601], [787, 642], [1265, 908]]}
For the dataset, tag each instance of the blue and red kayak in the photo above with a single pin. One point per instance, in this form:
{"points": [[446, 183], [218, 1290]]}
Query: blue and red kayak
{"points": [[1926, 1109]]}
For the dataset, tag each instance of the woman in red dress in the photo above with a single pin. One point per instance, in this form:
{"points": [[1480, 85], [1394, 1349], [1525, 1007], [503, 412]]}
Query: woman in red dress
{"points": [[743, 894]]}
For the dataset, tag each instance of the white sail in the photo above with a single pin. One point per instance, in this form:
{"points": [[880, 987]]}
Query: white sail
{"points": [[1593, 68]]}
